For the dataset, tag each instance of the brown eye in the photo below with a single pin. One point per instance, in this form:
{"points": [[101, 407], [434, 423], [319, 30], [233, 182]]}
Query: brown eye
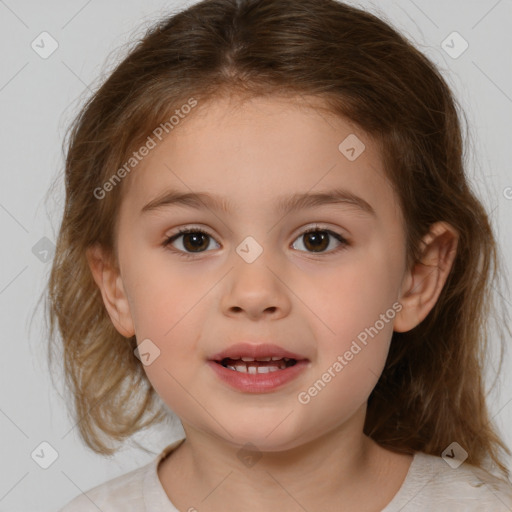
{"points": [[318, 240], [193, 241], [196, 241]]}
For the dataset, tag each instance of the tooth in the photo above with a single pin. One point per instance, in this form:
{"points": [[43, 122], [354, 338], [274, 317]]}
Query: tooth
{"points": [[276, 358], [247, 359], [265, 359], [254, 369]]}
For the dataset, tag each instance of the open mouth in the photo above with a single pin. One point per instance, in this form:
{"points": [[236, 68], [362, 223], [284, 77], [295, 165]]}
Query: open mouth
{"points": [[254, 366]]}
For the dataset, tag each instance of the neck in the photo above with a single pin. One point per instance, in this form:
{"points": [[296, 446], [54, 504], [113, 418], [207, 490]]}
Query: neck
{"points": [[339, 467]]}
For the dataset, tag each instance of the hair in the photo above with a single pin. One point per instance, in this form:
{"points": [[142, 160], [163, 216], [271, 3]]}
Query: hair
{"points": [[431, 391]]}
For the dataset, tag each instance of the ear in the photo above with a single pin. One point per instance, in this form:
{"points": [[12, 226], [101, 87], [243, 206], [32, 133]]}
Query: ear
{"points": [[423, 284], [108, 278]]}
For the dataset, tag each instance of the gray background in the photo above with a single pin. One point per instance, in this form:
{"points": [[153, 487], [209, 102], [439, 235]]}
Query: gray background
{"points": [[39, 97]]}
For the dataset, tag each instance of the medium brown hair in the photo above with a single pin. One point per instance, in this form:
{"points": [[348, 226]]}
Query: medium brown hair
{"points": [[431, 391]]}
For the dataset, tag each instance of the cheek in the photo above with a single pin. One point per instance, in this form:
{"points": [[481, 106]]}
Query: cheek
{"points": [[349, 362], [354, 296], [174, 336], [178, 373], [159, 295], [167, 309], [354, 310]]}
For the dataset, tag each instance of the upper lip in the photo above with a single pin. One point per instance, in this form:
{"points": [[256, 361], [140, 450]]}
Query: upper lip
{"points": [[256, 351]]}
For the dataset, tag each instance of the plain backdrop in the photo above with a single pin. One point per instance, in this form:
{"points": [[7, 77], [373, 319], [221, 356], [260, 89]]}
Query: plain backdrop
{"points": [[40, 96]]}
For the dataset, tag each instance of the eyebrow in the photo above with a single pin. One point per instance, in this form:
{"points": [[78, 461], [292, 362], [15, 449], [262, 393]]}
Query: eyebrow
{"points": [[299, 201]]}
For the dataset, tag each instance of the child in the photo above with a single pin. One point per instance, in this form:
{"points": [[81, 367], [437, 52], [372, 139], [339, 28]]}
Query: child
{"points": [[269, 228]]}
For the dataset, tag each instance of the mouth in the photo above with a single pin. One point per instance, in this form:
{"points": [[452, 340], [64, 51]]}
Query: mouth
{"points": [[255, 366], [257, 358], [258, 368]]}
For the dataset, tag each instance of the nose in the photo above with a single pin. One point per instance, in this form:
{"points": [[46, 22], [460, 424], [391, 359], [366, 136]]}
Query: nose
{"points": [[256, 290]]}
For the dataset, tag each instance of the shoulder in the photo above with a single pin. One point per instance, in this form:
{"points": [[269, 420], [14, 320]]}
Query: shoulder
{"points": [[123, 493], [432, 484], [131, 492]]}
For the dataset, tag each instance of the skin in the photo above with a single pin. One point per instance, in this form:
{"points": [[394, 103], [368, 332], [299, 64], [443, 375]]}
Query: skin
{"points": [[314, 456]]}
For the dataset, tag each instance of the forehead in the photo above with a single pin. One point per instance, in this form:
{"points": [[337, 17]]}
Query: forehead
{"points": [[253, 151]]}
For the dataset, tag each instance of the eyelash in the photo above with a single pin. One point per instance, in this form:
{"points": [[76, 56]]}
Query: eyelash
{"points": [[188, 255]]}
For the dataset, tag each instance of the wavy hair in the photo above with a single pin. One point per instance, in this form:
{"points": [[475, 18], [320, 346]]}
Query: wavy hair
{"points": [[432, 390]]}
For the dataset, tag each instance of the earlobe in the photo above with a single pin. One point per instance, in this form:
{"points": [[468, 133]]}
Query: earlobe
{"points": [[423, 284], [110, 283]]}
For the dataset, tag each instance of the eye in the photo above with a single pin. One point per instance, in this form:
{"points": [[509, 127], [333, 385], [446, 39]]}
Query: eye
{"points": [[318, 239], [194, 241]]}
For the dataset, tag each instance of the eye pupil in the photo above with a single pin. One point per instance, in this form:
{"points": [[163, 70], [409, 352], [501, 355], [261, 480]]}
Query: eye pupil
{"points": [[318, 239], [198, 240]]}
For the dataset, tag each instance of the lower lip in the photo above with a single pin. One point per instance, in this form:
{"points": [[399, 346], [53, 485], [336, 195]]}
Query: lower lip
{"points": [[258, 382]]}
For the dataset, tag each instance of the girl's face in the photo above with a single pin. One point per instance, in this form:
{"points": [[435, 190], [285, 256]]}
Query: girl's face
{"points": [[256, 277]]}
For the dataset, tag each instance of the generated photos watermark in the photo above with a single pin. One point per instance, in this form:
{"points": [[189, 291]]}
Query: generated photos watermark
{"points": [[151, 142], [304, 397]]}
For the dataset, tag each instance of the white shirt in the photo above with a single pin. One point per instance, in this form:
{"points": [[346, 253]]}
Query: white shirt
{"points": [[430, 485]]}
